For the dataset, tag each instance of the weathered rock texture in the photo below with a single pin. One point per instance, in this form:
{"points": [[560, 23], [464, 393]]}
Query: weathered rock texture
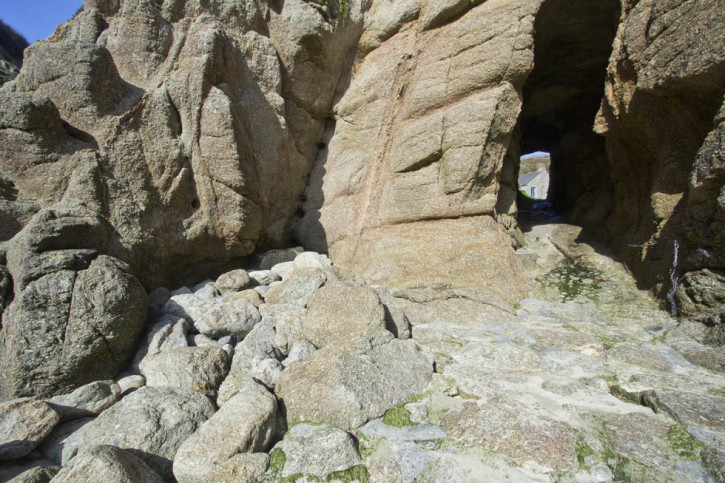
{"points": [[420, 134], [166, 135], [662, 117]]}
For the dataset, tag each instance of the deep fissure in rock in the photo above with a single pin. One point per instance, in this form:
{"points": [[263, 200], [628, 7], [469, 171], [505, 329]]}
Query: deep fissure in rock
{"points": [[560, 100]]}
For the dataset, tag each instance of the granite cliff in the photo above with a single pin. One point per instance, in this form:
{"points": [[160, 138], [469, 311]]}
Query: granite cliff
{"points": [[155, 143]]}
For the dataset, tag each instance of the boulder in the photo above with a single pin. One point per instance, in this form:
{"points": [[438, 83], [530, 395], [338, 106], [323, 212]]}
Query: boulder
{"points": [[200, 369], [317, 450], [107, 463], [86, 401], [152, 422], [214, 317], [713, 457], [98, 314], [244, 424], [359, 379], [169, 332], [311, 260], [242, 468], [263, 277], [52, 446], [297, 287], [24, 423], [234, 281], [341, 310]]}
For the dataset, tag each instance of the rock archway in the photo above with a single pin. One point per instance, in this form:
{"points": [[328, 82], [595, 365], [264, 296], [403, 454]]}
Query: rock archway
{"points": [[561, 99]]}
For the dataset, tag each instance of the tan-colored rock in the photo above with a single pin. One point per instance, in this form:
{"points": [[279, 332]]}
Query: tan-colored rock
{"points": [[421, 134], [24, 423], [341, 311]]}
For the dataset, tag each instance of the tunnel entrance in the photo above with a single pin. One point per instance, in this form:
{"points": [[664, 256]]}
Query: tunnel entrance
{"points": [[561, 97]]}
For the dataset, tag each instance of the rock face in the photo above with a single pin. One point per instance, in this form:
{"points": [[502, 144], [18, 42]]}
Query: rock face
{"points": [[77, 322], [662, 116], [421, 134]]}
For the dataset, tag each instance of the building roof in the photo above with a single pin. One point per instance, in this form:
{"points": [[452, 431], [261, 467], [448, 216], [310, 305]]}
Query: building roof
{"points": [[529, 177]]}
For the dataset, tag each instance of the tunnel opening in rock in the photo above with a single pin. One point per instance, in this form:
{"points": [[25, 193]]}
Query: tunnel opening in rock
{"points": [[534, 175], [561, 98]]}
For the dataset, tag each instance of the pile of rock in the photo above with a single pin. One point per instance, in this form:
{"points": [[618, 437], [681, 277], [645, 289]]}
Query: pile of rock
{"points": [[225, 368]]}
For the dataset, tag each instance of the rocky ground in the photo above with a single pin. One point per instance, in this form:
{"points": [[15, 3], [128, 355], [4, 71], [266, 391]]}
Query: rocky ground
{"points": [[299, 371]]}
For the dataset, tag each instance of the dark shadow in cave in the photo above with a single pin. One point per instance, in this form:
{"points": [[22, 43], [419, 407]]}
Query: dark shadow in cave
{"points": [[561, 98]]}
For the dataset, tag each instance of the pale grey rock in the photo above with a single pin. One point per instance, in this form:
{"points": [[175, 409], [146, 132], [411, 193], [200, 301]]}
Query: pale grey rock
{"points": [[297, 287], [360, 379], [244, 424], [267, 371], [516, 433], [395, 319], [713, 457], [259, 343], [418, 411], [107, 463], [642, 356], [86, 401], [311, 260], [691, 410], [241, 468], [201, 340], [417, 432], [170, 332], [215, 317], [234, 281], [130, 383], [201, 369], [602, 473], [263, 277], [250, 295], [24, 423], [180, 291], [341, 310], [639, 437], [283, 269], [299, 350], [499, 356], [152, 422], [206, 290], [317, 450]]}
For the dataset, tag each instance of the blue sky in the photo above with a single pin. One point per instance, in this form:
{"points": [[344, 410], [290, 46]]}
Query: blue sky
{"points": [[37, 19]]}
